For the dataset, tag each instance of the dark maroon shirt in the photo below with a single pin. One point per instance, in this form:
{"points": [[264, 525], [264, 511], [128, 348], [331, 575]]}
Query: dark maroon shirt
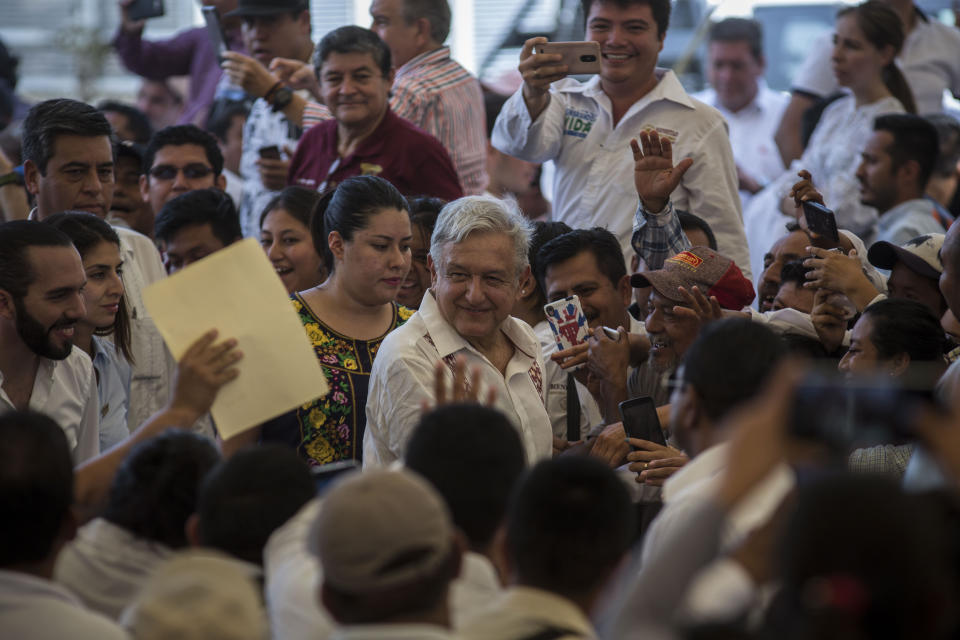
{"points": [[410, 158]]}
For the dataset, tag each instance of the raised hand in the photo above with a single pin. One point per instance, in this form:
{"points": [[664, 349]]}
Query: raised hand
{"points": [[654, 174]]}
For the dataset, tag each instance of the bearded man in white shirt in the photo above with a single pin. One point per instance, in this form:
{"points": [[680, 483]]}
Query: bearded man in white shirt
{"points": [[478, 260], [586, 128]]}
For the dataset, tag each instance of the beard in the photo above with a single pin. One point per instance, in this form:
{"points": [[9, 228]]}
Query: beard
{"points": [[37, 338]]}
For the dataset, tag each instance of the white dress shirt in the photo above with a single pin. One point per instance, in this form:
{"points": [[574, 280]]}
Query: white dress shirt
{"points": [[930, 61], [403, 374], [524, 611], [751, 133], [66, 390], [32, 608], [106, 565], [292, 577], [906, 221], [593, 185], [721, 587], [832, 158]]}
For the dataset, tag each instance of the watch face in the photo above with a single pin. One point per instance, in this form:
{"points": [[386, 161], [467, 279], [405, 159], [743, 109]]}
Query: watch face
{"points": [[282, 97]]}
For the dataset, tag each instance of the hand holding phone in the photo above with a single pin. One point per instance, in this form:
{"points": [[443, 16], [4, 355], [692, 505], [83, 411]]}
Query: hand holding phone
{"points": [[640, 420], [215, 31], [138, 10], [821, 221], [579, 57]]}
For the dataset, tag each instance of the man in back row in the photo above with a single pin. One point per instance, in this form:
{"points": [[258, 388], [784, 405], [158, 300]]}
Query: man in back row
{"points": [[586, 128]]}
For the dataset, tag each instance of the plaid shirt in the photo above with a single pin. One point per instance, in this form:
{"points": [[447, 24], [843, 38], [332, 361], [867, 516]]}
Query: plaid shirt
{"points": [[658, 236]]}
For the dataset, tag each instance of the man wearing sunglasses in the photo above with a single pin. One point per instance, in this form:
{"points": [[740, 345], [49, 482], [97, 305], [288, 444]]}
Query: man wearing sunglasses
{"points": [[179, 159]]}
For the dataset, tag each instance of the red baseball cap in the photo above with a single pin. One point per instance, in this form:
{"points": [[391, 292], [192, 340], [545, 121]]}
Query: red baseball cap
{"points": [[704, 268]]}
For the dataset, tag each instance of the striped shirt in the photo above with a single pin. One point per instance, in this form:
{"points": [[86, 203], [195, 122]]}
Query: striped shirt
{"points": [[442, 98]]}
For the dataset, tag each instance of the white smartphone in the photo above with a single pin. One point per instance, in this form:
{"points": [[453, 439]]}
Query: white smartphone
{"points": [[567, 322]]}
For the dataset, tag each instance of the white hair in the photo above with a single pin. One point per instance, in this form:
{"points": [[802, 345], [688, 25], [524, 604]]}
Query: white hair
{"points": [[472, 214]]}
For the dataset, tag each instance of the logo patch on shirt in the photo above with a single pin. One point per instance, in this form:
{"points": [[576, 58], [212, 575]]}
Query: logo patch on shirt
{"points": [[578, 123], [370, 169], [663, 132]]}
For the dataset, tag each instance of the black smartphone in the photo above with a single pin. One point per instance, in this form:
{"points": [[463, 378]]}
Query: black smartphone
{"points": [[270, 153], [640, 419], [215, 31], [325, 474], [143, 9], [821, 220]]}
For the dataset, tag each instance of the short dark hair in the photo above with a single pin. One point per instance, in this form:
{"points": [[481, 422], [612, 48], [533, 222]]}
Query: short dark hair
{"points": [[436, 11], [467, 436], [155, 489], [16, 237], [36, 486], [598, 241], [299, 202], [347, 209], [222, 114], [52, 118], [353, 39], [729, 362], [87, 231], [690, 221], [948, 135], [492, 103], [914, 138], [204, 206], [247, 497], [905, 326], [179, 135], [543, 232], [424, 211], [659, 8], [139, 123], [739, 30], [795, 272], [569, 523]]}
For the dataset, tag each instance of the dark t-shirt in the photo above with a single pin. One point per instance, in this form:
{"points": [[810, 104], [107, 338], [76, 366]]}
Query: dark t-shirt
{"points": [[411, 159]]}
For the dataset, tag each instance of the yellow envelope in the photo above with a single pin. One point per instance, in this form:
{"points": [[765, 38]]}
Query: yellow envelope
{"points": [[237, 292]]}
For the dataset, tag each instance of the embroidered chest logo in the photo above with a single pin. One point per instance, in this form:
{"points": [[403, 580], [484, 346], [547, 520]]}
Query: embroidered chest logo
{"points": [[536, 376], [370, 169], [578, 123]]}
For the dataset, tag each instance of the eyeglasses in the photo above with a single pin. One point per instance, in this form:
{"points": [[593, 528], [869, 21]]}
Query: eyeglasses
{"points": [[190, 172]]}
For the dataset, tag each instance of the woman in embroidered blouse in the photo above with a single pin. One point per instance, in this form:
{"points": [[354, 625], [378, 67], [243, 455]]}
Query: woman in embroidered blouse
{"points": [[867, 39], [364, 230], [99, 249]]}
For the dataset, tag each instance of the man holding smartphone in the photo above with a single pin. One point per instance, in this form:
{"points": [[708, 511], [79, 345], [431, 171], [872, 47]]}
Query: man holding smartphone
{"points": [[586, 128], [188, 53]]}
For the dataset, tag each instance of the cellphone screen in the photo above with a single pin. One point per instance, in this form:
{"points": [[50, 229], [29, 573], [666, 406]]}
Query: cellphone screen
{"points": [[143, 9], [272, 152], [640, 420]]}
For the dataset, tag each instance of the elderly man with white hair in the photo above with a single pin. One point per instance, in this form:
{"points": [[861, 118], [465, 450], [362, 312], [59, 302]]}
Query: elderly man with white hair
{"points": [[478, 258]]}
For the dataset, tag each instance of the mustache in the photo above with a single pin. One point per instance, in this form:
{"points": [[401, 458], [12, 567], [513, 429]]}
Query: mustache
{"points": [[64, 323]]}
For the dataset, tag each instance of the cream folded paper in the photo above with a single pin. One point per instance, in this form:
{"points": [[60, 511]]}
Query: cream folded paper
{"points": [[237, 292]]}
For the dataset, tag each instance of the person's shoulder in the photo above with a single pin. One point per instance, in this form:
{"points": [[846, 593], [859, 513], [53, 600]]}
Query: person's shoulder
{"points": [[944, 34], [403, 339]]}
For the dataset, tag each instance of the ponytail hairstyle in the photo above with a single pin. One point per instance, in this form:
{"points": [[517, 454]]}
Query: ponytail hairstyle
{"points": [[87, 231], [882, 27], [348, 208]]}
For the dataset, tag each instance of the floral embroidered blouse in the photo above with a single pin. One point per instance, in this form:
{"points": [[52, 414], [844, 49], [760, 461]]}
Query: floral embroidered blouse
{"points": [[330, 428]]}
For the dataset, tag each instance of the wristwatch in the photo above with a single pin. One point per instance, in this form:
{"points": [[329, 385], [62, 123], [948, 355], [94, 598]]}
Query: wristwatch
{"points": [[281, 98], [11, 178]]}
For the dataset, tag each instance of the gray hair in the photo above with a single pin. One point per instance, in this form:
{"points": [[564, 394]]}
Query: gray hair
{"points": [[471, 214]]}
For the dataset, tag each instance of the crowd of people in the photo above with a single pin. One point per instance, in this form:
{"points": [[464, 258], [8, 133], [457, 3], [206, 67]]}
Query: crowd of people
{"points": [[759, 435]]}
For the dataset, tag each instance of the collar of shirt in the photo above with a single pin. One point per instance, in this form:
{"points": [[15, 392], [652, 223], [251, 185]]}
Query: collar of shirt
{"points": [[668, 87], [448, 341], [707, 464], [479, 572], [908, 207], [553, 609], [372, 145], [437, 56], [15, 585], [392, 632]]}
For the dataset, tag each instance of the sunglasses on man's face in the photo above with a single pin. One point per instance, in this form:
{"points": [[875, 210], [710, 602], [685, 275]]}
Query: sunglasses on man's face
{"points": [[190, 172]]}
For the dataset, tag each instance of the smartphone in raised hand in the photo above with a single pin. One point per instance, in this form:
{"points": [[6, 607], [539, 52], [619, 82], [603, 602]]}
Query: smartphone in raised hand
{"points": [[580, 57], [144, 9], [215, 31]]}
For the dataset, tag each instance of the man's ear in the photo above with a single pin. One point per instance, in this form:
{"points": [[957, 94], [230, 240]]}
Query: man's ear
{"points": [[145, 188], [31, 177], [8, 307], [899, 364], [433, 271], [423, 32], [191, 529], [521, 284], [909, 172], [221, 182], [625, 290]]}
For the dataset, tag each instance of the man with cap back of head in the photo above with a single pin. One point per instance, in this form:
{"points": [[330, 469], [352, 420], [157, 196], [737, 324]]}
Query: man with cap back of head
{"points": [[386, 543]]}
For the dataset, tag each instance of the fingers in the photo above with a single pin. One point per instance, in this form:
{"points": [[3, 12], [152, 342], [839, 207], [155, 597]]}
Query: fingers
{"points": [[539, 70], [528, 46], [439, 383], [635, 148], [200, 344], [681, 169], [645, 448]]}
